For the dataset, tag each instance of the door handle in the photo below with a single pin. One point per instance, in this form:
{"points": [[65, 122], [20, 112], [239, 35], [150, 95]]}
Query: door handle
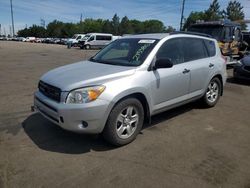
{"points": [[185, 71], [211, 65]]}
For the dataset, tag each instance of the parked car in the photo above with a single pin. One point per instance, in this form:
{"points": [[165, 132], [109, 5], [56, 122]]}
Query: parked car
{"points": [[96, 40], [21, 39], [38, 40], [122, 86], [30, 39], [242, 69], [75, 39]]}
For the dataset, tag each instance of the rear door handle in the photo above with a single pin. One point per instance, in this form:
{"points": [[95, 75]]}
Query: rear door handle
{"points": [[211, 65], [185, 71]]}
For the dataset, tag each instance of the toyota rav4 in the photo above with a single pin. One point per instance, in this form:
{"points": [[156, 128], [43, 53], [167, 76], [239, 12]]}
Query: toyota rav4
{"points": [[122, 86]]}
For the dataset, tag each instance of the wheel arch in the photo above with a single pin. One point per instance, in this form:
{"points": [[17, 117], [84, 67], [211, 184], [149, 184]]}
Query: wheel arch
{"points": [[144, 101], [221, 81]]}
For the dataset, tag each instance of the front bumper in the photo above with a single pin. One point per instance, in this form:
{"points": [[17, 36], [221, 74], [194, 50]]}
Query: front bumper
{"points": [[81, 118]]}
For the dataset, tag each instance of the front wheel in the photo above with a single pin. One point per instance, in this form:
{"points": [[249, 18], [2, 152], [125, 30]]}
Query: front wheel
{"points": [[213, 93], [125, 122], [87, 47]]}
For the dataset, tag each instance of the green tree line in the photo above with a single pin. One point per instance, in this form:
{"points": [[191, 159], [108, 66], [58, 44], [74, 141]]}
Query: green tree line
{"points": [[115, 26], [234, 12]]}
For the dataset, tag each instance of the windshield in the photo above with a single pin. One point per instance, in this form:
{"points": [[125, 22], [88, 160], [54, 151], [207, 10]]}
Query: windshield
{"points": [[214, 31], [86, 37], [125, 52], [74, 36]]}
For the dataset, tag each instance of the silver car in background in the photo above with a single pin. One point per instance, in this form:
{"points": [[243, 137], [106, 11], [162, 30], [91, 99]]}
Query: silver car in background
{"points": [[133, 78]]}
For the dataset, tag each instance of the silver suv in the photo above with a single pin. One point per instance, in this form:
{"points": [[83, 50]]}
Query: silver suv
{"points": [[121, 87]]}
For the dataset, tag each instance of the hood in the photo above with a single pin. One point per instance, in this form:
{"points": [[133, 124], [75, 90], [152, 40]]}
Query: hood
{"points": [[246, 61], [84, 73]]}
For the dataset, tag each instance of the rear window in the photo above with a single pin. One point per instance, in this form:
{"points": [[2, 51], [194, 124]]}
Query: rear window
{"points": [[210, 48], [194, 49]]}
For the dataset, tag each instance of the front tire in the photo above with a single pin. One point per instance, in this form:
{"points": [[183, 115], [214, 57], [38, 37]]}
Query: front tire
{"points": [[212, 93], [124, 122], [87, 47]]}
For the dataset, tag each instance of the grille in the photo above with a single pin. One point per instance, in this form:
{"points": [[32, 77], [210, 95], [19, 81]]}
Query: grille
{"points": [[247, 68], [50, 91]]}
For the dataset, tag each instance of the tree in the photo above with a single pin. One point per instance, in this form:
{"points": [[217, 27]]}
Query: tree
{"points": [[91, 25], [54, 29], [153, 26], [107, 27], [115, 24], [234, 12], [125, 26], [170, 29], [137, 26], [213, 13], [193, 18], [60, 29], [34, 31]]}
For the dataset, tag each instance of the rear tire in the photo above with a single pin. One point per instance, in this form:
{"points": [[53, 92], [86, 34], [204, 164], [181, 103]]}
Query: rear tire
{"points": [[124, 122], [212, 93]]}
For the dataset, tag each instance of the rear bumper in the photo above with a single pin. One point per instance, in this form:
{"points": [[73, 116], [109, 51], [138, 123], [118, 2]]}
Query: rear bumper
{"points": [[81, 118]]}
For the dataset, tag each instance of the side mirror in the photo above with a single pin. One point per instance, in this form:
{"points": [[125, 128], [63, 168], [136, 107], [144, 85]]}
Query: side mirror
{"points": [[163, 63]]}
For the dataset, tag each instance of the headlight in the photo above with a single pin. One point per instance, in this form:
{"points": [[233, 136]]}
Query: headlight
{"points": [[84, 95], [239, 63]]}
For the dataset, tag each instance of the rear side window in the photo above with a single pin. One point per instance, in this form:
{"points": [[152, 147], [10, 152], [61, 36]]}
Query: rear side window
{"points": [[210, 48], [101, 37], [172, 49], [194, 49]]}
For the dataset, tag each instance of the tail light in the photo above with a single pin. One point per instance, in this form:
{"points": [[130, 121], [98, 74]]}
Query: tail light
{"points": [[225, 59]]}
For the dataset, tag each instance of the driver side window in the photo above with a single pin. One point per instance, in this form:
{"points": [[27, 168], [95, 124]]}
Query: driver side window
{"points": [[91, 38], [171, 49]]}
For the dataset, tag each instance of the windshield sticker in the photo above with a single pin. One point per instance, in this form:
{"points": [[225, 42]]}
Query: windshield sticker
{"points": [[140, 51], [147, 41]]}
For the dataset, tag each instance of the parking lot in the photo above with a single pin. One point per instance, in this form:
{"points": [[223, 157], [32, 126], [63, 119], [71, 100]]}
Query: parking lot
{"points": [[185, 147]]}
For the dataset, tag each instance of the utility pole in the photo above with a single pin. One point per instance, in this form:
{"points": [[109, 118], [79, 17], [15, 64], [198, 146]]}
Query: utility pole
{"points": [[182, 12], [42, 22], [13, 29], [81, 18], [0, 30], [10, 30]]}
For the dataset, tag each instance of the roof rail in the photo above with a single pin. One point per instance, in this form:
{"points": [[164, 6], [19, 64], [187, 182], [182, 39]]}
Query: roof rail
{"points": [[190, 33]]}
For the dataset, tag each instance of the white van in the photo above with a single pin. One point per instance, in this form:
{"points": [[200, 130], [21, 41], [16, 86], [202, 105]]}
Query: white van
{"points": [[96, 40], [75, 39], [30, 39]]}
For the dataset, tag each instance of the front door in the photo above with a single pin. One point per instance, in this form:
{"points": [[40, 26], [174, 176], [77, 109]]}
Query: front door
{"points": [[170, 85]]}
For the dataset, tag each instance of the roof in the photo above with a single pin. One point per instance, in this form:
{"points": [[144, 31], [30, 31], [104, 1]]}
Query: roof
{"points": [[163, 35], [217, 23], [149, 36]]}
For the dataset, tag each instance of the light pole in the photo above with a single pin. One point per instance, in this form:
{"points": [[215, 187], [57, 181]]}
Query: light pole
{"points": [[182, 11], [12, 18]]}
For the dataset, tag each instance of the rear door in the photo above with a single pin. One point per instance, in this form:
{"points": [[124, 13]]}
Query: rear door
{"points": [[199, 64]]}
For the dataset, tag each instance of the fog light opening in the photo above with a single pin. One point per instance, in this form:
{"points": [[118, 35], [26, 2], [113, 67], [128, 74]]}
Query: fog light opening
{"points": [[84, 124], [61, 119]]}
